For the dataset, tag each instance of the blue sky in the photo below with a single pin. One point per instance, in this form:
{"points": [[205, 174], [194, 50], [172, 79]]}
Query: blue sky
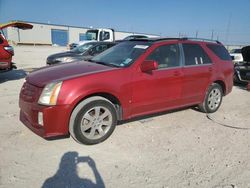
{"points": [[229, 20]]}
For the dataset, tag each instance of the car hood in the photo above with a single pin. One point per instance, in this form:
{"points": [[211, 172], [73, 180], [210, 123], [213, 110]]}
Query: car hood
{"points": [[60, 72], [62, 54], [17, 24], [246, 53]]}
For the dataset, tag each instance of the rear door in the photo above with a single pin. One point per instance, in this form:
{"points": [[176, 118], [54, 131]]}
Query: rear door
{"points": [[159, 89], [197, 73]]}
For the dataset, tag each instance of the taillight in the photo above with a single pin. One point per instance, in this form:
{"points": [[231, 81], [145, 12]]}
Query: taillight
{"points": [[9, 49]]}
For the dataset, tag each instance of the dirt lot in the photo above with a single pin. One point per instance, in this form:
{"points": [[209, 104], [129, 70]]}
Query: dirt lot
{"points": [[177, 149]]}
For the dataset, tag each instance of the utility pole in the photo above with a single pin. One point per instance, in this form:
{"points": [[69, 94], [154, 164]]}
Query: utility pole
{"points": [[212, 36], [196, 34]]}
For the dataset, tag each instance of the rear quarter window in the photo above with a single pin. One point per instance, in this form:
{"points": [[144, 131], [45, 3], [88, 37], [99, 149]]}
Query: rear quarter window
{"points": [[220, 51]]}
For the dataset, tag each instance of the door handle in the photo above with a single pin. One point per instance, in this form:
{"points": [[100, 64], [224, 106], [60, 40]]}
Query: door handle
{"points": [[210, 69]]}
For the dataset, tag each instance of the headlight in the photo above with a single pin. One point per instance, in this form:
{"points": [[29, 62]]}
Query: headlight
{"points": [[65, 59], [50, 94]]}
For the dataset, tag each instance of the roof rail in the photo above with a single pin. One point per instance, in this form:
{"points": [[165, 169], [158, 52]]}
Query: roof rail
{"points": [[202, 39], [170, 38], [155, 39]]}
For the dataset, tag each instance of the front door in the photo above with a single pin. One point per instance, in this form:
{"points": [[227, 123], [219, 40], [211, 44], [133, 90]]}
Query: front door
{"points": [[159, 89]]}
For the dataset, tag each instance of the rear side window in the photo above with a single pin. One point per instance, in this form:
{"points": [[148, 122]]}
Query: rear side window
{"points": [[220, 51], [195, 55]]}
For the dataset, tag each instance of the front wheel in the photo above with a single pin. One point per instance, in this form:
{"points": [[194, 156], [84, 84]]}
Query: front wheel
{"points": [[95, 122], [212, 99]]}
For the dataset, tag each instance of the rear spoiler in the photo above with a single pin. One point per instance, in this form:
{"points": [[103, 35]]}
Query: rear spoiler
{"points": [[16, 24]]}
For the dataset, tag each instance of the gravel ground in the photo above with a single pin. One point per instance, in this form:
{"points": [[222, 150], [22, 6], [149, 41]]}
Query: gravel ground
{"points": [[176, 149]]}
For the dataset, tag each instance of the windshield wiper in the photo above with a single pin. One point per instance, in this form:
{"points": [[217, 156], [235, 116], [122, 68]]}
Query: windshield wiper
{"points": [[103, 63]]}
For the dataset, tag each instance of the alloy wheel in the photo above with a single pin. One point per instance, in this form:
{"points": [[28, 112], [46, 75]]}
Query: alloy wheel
{"points": [[96, 122]]}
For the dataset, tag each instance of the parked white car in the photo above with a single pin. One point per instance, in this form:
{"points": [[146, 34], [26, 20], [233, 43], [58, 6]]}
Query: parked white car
{"points": [[236, 55]]}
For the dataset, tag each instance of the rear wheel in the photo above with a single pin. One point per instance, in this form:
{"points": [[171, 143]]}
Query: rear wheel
{"points": [[95, 122], [212, 100]]}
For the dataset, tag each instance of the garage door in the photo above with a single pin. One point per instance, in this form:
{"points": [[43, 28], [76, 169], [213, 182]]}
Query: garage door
{"points": [[59, 37], [82, 36]]}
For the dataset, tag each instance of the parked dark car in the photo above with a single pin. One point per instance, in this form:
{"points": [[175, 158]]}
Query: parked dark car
{"points": [[131, 37], [133, 78], [242, 69], [135, 37], [83, 52]]}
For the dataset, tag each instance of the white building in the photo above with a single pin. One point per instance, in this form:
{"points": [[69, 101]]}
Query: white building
{"points": [[49, 34]]}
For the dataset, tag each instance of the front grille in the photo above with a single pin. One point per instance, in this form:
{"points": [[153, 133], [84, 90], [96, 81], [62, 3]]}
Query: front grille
{"points": [[30, 93]]}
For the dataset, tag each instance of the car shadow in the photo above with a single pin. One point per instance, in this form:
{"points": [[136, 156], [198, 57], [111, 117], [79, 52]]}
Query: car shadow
{"points": [[242, 86], [12, 75], [15, 74], [146, 118], [68, 176]]}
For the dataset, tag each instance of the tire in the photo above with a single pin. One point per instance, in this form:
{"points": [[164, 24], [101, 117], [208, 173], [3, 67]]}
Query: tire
{"points": [[212, 99], [94, 122]]}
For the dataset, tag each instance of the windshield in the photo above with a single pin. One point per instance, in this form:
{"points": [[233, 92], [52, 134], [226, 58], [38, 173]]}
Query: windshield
{"points": [[82, 48], [123, 54], [92, 34], [236, 51]]}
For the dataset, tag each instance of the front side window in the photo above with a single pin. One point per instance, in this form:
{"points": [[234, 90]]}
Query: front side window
{"points": [[123, 54], [101, 48], [195, 55], [166, 56], [104, 35], [98, 49]]}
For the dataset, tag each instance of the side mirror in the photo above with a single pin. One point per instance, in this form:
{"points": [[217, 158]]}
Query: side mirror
{"points": [[149, 65]]}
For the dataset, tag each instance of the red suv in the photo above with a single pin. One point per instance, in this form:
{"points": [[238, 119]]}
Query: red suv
{"points": [[133, 78], [6, 51]]}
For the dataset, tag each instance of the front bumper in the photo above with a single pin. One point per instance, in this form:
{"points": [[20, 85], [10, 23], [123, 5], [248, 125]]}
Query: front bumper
{"points": [[55, 119], [6, 66]]}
